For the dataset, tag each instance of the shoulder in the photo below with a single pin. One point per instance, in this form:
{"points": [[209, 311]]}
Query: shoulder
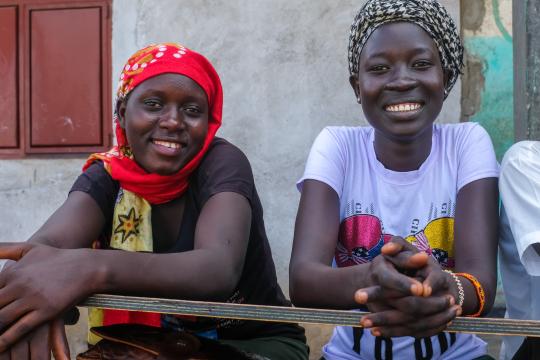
{"points": [[222, 155], [223, 149], [464, 138], [344, 136], [522, 152], [461, 131], [224, 168], [98, 183], [94, 175], [348, 132], [468, 149]]}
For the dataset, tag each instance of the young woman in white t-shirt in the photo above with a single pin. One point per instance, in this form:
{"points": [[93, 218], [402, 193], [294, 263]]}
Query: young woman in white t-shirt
{"points": [[400, 217]]}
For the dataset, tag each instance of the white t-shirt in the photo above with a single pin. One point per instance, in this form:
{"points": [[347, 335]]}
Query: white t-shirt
{"points": [[519, 231], [377, 203]]}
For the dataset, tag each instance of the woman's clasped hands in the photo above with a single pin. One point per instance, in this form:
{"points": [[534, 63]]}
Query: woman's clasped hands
{"points": [[410, 294]]}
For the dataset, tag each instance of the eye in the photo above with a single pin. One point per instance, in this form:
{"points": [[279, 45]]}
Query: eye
{"points": [[193, 110], [422, 64], [378, 68], [153, 104]]}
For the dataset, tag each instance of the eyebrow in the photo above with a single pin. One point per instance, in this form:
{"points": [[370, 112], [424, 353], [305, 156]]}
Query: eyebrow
{"points": [[161, 93], [416, 51]]}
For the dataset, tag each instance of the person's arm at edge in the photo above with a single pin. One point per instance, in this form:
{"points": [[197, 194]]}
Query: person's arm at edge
{"points": [[519, 185]]}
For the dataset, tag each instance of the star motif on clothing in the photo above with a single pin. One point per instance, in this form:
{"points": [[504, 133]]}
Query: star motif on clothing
{"points": [[129, 225]]}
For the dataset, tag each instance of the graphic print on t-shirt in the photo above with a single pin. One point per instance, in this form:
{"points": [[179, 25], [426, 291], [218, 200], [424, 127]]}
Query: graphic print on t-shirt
{"points": [[361, 238]]}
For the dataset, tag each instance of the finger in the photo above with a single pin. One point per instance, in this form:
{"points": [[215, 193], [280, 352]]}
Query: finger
{"points": [[375, 293], [409, 260], [39, 344], [58, 339], [378, 306], [384, 273], [422, 327], [387, 276], [19, 329], [435, 281], [13, 251], [7, 265], [20, 350], [422, 306], [396, 245], [11, 312], [397, 331], [388, 318]]}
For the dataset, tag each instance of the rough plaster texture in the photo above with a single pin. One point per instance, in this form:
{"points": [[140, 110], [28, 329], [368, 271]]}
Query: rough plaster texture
{"points": [[284, 72]]}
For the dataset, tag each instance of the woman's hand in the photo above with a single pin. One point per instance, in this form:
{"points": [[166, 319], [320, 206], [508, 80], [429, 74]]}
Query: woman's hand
{"points": [[390, 273], [39, 343], [423, 311], [39, 287]]}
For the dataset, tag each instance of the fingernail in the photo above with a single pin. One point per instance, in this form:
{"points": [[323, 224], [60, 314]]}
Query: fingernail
{"points": [[449, 324], [451, 301], [375, 332], [416, 289], [366, 323], [427, 290], [459, 310], [361, 297]]}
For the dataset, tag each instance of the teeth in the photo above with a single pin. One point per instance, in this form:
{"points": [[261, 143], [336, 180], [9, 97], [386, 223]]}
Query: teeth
{"points": [[170, 145], [403, 107]]}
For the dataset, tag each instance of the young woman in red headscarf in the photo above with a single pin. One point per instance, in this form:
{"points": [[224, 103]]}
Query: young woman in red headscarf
{"points": [[176, 215]]}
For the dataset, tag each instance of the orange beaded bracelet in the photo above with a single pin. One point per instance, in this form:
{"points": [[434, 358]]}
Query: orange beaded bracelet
{"points": [[480, 294]]}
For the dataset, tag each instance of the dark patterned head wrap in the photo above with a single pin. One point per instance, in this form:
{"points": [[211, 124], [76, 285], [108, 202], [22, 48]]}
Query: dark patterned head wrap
{"points": [[428, 14]]}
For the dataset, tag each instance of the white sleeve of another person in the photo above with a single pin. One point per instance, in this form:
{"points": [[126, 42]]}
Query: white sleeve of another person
{"points": [[520, 193]]}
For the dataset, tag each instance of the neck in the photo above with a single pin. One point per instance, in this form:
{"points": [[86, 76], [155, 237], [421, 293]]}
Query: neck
{"points": [[403, 155]]}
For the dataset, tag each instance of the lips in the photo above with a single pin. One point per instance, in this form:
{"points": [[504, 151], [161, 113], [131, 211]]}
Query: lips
{"points": [[167, 144], [403, 107], [168, 147]]}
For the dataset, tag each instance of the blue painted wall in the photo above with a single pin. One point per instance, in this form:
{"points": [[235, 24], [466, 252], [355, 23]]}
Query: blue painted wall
{"points": [[496, 111]]}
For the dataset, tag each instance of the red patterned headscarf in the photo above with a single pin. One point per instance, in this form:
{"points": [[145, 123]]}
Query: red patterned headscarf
{"points": [[148, 62], [119, 162]]}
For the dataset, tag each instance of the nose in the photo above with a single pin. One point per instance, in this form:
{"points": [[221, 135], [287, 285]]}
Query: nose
{"points": [[173, 119], [401, 79]]}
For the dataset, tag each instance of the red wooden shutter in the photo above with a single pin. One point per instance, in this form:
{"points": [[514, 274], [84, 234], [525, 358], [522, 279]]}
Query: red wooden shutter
{"points": [[55, 76], [67, 99], [9, 117]]}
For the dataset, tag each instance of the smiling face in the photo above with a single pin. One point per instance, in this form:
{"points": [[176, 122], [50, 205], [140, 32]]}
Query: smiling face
{"points": [[165, 120], [400, 82]]}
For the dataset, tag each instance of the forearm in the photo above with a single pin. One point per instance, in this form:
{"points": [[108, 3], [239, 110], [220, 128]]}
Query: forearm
{"points": [[189, 275], [476, 236], [318, 285], [471, 304]]}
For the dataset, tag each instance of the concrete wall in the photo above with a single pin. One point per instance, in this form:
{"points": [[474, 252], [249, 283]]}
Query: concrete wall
{"points": [[283, 64], [284, 71]]}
